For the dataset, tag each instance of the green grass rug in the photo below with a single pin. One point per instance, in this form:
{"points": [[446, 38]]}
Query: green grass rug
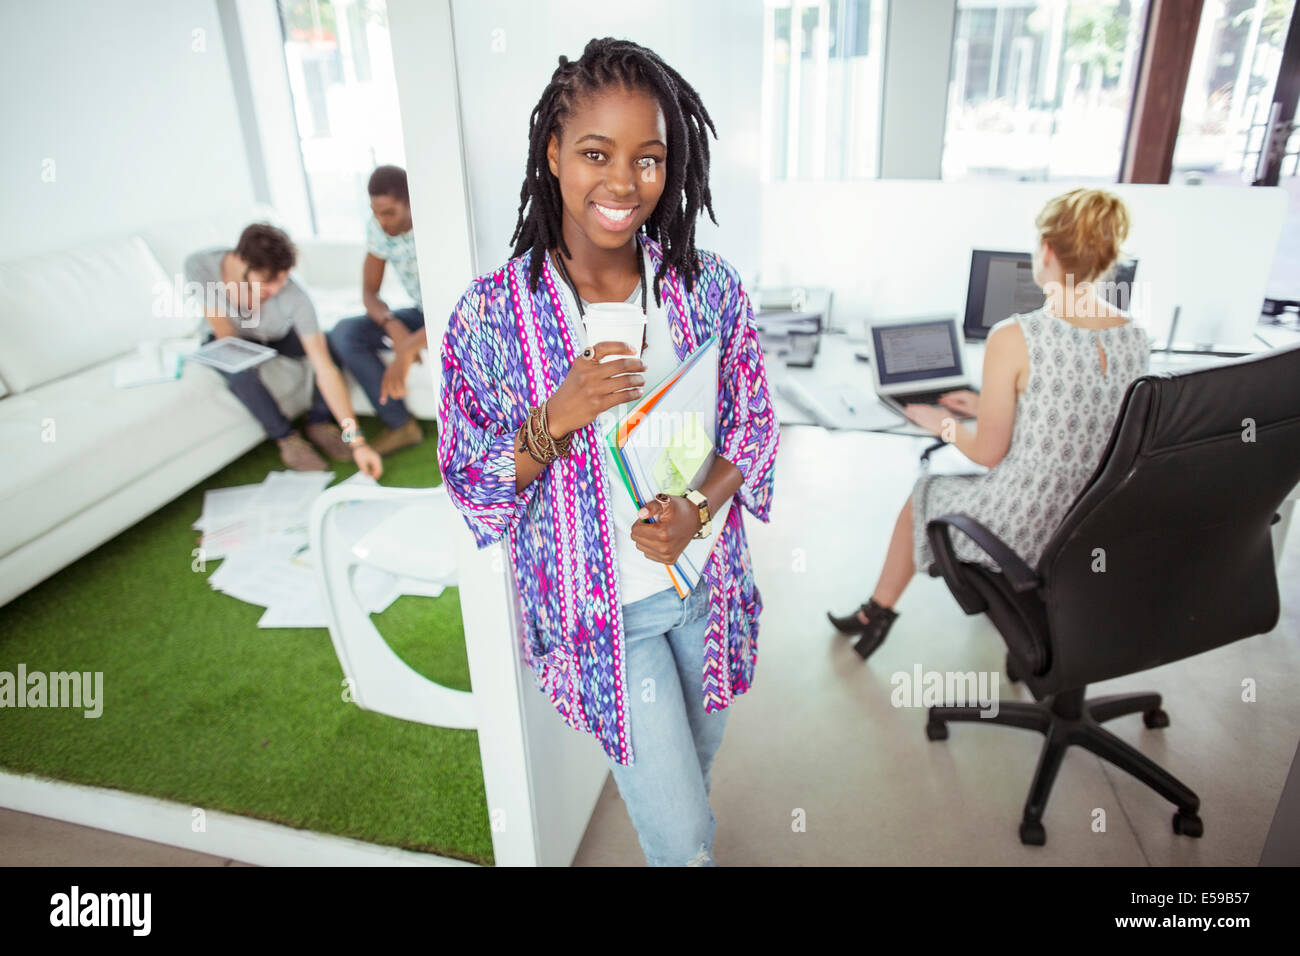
{"points": [[203, 708]]}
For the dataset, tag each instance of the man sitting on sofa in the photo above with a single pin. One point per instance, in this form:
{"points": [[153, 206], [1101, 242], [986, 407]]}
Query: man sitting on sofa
{"points": [[273, 309], [359, 340]]}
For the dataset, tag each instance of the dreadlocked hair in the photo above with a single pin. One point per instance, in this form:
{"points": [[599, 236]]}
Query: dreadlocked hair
{"points": [[604, 63]]}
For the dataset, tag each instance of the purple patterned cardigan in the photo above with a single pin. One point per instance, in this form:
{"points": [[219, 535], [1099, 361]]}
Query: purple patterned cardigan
{"points": [[497, 362]]}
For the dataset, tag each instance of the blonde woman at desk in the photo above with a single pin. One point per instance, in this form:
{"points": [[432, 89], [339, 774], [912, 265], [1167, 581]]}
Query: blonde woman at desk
{"points": [[1052, 385]]}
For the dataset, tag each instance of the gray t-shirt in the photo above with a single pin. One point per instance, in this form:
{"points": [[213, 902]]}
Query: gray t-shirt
{"points": [[288, 310]]}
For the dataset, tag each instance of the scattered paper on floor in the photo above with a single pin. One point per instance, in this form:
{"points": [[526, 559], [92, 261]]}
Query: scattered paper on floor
{"points": [[260, 534]]}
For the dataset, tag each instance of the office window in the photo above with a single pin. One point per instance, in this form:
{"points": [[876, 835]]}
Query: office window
{"points": [[340, 66], [1041, 89], [1230, 87], [822, 73]]}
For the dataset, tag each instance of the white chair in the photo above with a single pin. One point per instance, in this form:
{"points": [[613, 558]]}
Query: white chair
{"points": [[414, 541], [541, 778]]}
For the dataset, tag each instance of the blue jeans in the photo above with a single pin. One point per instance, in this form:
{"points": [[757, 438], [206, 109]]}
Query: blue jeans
{"points": [[666, 789], [358, 341], [253, 393]]}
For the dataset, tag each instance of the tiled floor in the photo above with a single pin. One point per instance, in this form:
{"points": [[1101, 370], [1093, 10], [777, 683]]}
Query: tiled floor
{"points": [[817, 732], [817, 735]]}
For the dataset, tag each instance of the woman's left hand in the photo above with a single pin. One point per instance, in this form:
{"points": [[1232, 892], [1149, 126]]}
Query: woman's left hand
{"points": [[930, 417], [676, 522]]}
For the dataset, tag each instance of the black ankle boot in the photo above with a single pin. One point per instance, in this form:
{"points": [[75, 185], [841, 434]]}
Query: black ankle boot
{"points": [[873, 635], [851, 623]]}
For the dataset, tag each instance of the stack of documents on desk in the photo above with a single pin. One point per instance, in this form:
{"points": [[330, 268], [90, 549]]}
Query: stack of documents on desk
{"points": [[664, 444], [260, 533], [786, 323], [790, 336], [841, 405]]}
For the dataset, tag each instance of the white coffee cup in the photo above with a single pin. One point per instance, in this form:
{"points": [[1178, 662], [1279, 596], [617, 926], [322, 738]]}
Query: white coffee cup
{"points": [[615, 322]]}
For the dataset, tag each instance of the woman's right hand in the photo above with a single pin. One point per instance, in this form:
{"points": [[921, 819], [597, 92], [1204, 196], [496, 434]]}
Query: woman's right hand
{"points": [[963, 402], [591, 387]]}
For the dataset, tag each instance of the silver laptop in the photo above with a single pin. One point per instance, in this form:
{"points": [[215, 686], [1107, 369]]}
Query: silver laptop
{"points": [[917, 360]]}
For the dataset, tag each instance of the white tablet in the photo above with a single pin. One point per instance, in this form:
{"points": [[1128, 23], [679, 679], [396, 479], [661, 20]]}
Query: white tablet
{"points": [[233, 354]]}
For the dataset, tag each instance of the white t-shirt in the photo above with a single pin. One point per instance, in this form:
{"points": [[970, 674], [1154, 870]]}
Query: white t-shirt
{"points": [[398, 252], [639, 577]]}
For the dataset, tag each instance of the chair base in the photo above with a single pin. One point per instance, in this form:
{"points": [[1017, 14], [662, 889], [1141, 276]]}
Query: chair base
{"points": [[1069, 719]]}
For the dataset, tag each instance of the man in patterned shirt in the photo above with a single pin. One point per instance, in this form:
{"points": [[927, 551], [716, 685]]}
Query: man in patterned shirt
{"points": [[359, 340]]}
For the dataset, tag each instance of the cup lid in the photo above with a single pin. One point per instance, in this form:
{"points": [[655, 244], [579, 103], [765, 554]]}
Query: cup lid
{"points": [[615, 309]]}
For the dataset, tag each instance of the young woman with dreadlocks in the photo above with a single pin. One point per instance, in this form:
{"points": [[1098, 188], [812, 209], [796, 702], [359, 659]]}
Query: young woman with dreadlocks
{"points": [[617, 173]]}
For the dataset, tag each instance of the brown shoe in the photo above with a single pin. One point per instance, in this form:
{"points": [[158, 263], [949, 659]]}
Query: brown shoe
{"points": [[395, 439], [327, 437], [296, 453]]}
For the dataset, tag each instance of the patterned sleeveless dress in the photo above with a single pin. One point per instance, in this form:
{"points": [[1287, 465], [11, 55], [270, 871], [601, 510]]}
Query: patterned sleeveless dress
{"points": [[1063, 420]]}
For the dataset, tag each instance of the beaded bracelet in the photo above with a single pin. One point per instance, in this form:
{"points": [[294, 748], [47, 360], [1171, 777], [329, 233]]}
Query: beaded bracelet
{"points": [[538, 441], [558, 447], [535, 438], [540, 453]]}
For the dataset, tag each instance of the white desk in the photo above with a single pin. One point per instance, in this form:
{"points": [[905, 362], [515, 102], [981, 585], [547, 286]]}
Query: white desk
{"points": [[836, 364]]}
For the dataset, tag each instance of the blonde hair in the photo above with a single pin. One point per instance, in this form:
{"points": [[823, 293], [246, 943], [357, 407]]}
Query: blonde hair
{"points": [[1085, 228]]}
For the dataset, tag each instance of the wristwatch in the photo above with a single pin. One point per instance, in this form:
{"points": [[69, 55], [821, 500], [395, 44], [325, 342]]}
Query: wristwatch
{"points": [[702, 503]]}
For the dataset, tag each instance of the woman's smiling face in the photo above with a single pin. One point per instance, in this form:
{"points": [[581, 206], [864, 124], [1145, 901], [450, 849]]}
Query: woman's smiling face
{"points": [[611, 163]]}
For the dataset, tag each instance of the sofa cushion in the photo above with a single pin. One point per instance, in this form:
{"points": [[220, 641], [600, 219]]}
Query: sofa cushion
{"points": [[77, 440], [67, 311]]}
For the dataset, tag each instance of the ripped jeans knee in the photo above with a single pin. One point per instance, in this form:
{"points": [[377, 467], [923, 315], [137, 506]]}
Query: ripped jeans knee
{"points": [[702, 858]]}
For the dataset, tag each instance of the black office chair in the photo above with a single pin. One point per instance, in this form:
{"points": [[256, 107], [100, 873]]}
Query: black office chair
{"points": [[1180, 507]]}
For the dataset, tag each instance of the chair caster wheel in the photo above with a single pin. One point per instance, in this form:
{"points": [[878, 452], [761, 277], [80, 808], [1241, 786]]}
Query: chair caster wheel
{"points": [[1155, 718], [1032, 833], [936, 731], [1188, 824]]}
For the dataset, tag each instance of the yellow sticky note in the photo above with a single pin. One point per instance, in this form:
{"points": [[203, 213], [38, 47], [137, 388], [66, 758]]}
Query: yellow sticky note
{"points": [[683, 455]]}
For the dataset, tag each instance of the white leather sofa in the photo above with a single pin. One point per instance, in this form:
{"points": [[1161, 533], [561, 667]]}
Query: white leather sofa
{"points": [[85, 460]]}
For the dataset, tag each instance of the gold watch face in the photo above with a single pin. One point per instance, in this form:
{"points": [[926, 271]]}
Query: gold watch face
{"points": [[702, 503]]}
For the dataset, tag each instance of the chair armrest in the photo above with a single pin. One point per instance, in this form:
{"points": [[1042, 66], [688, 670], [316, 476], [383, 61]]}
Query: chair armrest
{"points": [[1013, 566], [340, 494]]}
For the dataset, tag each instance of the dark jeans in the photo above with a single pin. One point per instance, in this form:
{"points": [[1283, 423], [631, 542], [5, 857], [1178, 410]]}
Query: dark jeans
{"points": [[249, 389], [358, 341]]}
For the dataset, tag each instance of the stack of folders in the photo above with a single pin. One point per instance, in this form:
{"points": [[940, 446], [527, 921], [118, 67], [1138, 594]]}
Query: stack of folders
{"points": [[665, 444]]}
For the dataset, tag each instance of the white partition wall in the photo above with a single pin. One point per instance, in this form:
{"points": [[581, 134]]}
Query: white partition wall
{"points": [[902, 248], [542, 779], [426, 82]]}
